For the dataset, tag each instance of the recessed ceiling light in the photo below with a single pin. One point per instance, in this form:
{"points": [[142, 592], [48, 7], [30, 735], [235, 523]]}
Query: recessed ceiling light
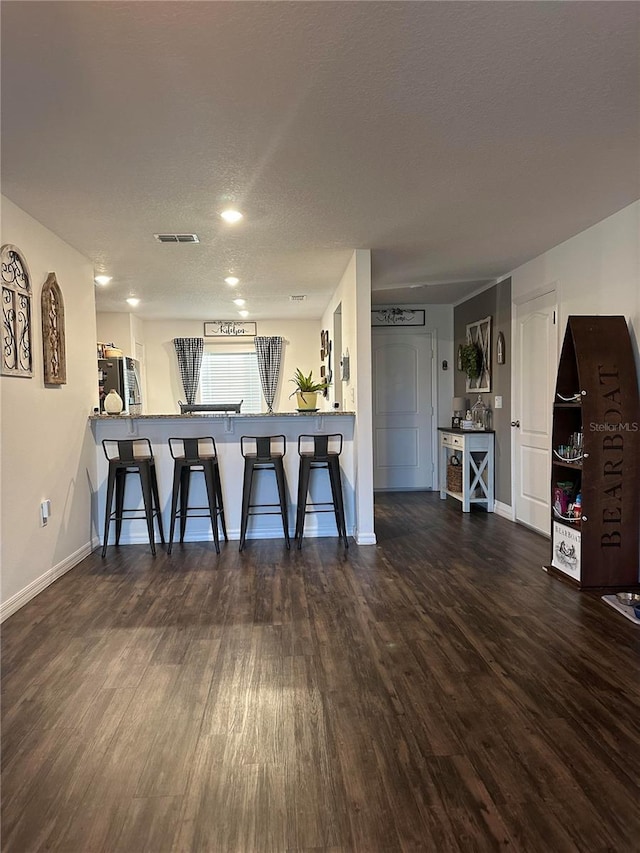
{"points": [[243, 313], [102, 279], [231, 216], [240, 302], [232, 280], [133, 301]]}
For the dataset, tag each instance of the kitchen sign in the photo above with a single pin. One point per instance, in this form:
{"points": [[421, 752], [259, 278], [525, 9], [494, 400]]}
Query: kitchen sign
{"points": [[229, 329]]}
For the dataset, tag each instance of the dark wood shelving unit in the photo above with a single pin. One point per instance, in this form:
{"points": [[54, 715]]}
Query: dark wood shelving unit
{"points": [[601, 550], [570, 466]]}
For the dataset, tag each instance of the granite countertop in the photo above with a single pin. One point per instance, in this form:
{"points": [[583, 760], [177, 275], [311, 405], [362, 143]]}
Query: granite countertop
{"points": [[222, 415]]}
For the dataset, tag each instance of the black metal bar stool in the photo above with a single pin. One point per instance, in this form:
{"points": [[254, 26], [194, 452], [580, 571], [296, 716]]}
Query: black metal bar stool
{"points": [[131, 456], [196, 454], [320, 451], [263, 453]]}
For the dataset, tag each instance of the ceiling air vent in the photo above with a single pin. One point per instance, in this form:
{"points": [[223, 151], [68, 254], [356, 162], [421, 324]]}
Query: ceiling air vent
{"points": [[177, 238], [299, 298]]}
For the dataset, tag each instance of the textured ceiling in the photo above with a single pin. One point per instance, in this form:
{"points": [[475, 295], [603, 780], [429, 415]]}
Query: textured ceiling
{"points": [[455, 140]]}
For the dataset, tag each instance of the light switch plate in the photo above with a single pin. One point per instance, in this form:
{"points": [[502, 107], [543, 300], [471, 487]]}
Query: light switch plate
{"points": [[498, 401]]}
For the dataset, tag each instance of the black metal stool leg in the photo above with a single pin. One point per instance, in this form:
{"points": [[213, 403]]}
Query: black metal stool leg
{"points": [[156, 498], [246, 500], [209, 479], [338, 503], [303, 490], [216, 471], [185, 479], [147, 497], [282, 492], [111, 479], [174, 504], [121, 479]]}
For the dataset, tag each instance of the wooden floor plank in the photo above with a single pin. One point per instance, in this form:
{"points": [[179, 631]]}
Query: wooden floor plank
{"points": [[436, 692]]}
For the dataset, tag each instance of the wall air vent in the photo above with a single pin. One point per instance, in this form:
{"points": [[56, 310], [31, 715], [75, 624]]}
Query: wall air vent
{"points": [[299, 298], [177, 238]]}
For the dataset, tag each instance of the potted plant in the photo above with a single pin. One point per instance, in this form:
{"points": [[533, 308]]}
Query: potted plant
{"points": [[306, 389], [471, 360]]}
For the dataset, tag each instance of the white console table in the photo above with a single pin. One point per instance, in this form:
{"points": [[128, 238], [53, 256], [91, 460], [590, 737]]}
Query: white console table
{"points": [[475, 449]]}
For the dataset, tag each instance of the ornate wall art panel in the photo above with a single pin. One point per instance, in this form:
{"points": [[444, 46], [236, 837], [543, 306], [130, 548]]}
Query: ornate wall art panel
{"points": [[53, 339], [17, 355], [480, 334]]}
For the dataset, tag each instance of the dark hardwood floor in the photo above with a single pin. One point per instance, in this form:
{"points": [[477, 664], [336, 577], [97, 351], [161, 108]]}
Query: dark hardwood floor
{"points": [[438, 692]]}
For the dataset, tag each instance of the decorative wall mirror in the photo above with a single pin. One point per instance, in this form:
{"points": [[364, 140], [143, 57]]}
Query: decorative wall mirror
{"points": [[17, 356], [53, 336], [479, 333]]}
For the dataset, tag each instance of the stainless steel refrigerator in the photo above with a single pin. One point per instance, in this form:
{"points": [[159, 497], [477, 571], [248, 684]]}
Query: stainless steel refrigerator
{"points": [[123, 375]]}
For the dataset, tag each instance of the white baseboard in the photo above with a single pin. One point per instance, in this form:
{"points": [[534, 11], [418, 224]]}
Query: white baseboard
{"points": [[503, 510], [365, 538], [30, 591]]}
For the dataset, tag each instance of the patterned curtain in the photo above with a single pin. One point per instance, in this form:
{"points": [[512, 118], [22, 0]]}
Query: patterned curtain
{"points": [[269, 352], [189, 352]]}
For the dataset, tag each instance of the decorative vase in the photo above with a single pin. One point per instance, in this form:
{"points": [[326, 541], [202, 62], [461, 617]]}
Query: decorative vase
{"points": [[307, 399], [113, 404]]}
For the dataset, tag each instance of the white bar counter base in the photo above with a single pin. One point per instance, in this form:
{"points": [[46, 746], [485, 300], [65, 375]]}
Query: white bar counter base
{"points": [[475, 449], [226, 429]]}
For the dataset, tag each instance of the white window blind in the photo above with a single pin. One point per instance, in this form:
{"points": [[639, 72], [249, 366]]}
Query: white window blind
{"points": [[228, 377]]}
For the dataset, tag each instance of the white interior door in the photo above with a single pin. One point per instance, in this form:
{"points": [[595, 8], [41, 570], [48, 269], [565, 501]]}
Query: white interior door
{"points": [[402, 411], [534, 372]]}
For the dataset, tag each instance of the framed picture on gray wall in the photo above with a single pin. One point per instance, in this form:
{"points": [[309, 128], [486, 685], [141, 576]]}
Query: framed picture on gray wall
{"points": [[479, 333]]}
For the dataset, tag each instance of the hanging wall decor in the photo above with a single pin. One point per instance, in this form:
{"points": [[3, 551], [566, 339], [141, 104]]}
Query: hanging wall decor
{"points": [[53, 337], [229, 329], [480, 334], [17, 355], [501, 354], [397, 317]]}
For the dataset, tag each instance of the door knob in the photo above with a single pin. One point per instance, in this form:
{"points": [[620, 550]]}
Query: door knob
{"points": [[515, 423]]}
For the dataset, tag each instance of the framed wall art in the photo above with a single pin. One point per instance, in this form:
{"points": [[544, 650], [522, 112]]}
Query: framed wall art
{"points": [[17, 353], [479, 334], [53, 336]]}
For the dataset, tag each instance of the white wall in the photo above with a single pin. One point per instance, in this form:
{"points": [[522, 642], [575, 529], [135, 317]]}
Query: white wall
{"points": [[353, 294], [47, 450], [595, 272], [162, 377], [116, 328]]}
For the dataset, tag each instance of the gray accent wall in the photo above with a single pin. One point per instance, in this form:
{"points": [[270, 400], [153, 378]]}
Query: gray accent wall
{"points": [[496, 303]]}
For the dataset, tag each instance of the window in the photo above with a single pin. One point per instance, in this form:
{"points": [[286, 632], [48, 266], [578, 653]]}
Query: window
{"points": [[228, 377]]}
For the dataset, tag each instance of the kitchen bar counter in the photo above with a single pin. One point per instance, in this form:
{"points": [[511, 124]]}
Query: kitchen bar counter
{"points": [[226, 429], [333, 413]]}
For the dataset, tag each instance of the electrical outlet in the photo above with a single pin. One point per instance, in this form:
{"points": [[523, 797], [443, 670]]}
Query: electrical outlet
{"points": [[45, 512], [498, 401]]}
